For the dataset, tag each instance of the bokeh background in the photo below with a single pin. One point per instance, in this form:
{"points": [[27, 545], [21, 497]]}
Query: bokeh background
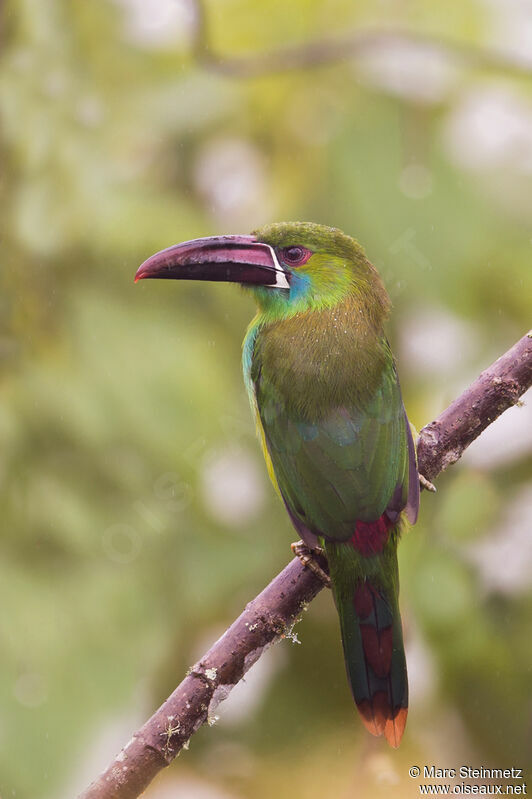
{"points": [[137, 518]]}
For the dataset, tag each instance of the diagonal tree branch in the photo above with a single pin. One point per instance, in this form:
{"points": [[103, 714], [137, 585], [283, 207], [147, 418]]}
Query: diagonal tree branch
{"points": [[323, 52], [442, 442], [272, 614]]}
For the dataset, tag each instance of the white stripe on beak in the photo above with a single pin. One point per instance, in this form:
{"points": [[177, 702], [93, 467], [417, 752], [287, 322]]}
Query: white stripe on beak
{"points": [[281, 281]]}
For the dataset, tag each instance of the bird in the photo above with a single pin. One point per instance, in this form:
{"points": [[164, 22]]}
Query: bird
{"points": [[323, 387]]}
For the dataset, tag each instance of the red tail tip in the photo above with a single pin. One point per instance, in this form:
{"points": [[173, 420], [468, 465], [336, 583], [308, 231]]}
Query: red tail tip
{"points": [[395, 727], [378, 718]]}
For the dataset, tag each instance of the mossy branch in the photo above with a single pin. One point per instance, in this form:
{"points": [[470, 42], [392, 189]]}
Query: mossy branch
{"points": [[272, 613]]}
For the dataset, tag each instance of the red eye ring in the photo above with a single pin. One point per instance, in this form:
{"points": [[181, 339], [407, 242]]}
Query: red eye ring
{"points": [[295, 256]]}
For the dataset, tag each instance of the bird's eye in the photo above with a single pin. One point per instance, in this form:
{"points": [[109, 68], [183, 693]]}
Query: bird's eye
{"points": [[295, 256]]}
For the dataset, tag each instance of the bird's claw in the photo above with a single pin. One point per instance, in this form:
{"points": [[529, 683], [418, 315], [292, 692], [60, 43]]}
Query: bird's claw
{"points": [[305, 555], [426, 483]]}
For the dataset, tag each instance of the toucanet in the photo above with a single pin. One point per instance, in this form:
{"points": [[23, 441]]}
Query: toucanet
{"points": [[323, 385]]}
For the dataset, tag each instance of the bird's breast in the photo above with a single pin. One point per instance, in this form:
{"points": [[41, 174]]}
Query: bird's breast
{"points": [[319, 360]]}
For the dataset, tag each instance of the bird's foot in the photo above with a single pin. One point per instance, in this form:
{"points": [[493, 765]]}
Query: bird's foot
{"points": [[426, 483], [305, 555]]}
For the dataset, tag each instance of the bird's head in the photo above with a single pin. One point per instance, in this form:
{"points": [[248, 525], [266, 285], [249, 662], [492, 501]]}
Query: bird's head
{"points": [[290, 267]]}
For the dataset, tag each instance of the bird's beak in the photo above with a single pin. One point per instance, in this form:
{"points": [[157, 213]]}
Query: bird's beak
{"points": [[234, 259]]}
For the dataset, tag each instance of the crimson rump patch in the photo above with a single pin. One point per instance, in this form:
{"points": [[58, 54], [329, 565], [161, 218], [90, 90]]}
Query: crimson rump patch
{"points": [[370, 538]]}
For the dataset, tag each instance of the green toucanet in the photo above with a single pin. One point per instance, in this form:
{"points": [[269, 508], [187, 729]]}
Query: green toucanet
{"points": [[323, 385]]}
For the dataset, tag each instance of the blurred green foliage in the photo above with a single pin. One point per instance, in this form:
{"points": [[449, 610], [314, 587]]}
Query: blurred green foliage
{"points": [[118, 401]]}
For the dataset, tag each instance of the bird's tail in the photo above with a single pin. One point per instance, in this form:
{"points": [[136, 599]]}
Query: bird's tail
{"points": [[366, 596]]}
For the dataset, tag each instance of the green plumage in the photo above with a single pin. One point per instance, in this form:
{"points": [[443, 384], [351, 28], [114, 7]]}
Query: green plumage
{"points": [[337, 458], [323, 382]]}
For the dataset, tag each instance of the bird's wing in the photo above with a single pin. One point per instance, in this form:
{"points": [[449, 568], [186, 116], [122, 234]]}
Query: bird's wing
{"points": [[352, 465]]}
